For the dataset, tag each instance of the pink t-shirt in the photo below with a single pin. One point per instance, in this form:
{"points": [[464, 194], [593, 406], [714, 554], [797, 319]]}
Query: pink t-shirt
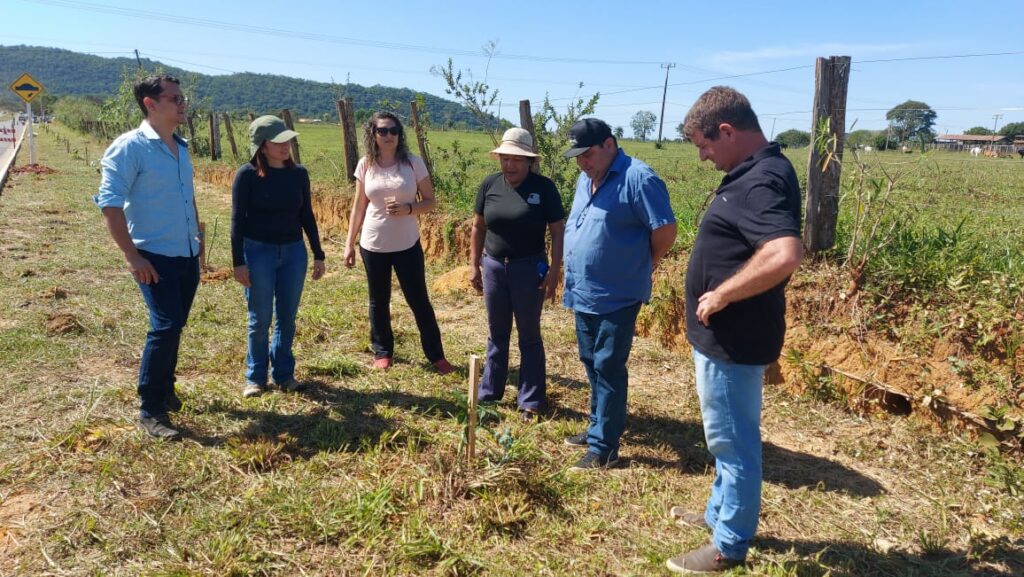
{"points": [[383, 232]]}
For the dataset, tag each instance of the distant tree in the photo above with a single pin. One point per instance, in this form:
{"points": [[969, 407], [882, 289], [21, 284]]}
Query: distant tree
{"points": [[862, 138], [642, 124], [1012, 129], [912, 121], [794, 138], [682, 134], [618, 132], [978, 131], [75, 111]]}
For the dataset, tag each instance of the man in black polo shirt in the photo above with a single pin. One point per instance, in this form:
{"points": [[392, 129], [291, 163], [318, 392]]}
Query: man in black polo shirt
{"points": [[747, 246]]}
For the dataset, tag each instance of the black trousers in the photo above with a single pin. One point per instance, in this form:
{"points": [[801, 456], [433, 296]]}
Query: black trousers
{"points": [[409, 268]]}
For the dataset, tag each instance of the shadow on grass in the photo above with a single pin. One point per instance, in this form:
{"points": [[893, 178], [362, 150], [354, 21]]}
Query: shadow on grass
{"points": [[341, 420], [781, 466], [995, 558]]}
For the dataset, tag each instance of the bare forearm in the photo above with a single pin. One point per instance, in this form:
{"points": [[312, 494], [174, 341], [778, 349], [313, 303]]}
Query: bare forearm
{"points": [[662, 239], [476, 242], [117, 225], [769, 266]]}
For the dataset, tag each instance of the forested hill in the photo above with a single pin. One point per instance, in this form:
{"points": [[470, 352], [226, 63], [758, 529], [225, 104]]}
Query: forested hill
{"points": [[64, 72]]}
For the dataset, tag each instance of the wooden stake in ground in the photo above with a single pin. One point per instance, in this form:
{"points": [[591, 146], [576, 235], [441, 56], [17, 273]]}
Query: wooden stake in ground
{"points": [[286, 115], [202, 253], [421, 140], [828, 136], [230, 134], [348, 135], [474, 380]]}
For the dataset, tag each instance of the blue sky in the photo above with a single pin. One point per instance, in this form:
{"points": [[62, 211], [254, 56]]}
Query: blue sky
{"points": [[766, 49]]}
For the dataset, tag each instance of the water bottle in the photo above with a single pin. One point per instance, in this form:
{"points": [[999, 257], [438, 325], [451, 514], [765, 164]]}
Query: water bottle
{"points": [[542, 270]]}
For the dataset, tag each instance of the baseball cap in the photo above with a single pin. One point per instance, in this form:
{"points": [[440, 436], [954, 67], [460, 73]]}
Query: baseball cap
{"points": [[270, 128], [586, 133]]}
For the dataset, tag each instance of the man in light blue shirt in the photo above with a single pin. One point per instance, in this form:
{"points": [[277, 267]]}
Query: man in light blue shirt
{"points": [[620, 226], [148, 203]]}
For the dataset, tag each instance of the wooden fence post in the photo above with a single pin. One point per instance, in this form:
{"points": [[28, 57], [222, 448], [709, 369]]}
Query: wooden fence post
{"points": [[191, 134], [421, 140], [286, 115], [348, 136], [214, 137], [230, 134], [471, 402], [526, 122], [831, 77]]}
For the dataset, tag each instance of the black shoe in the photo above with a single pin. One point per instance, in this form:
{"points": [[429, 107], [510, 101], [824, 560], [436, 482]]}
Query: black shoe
{"points": [[159, 427], [592, 461], [578, 440], [173, 403], [528, 416]]}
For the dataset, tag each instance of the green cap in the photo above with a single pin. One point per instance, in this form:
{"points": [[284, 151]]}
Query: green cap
{"points": [[270, 128]]}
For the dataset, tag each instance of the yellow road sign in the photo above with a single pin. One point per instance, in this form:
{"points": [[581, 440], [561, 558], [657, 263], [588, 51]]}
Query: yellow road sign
{"points": [[27, 87]]}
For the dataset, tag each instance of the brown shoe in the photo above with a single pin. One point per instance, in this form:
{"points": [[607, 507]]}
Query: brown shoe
{"points": [[688, 519], [707, 559]]}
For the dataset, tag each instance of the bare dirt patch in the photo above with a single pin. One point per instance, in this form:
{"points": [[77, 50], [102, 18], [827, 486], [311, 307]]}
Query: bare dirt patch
{"points": [[63, 324], [216, 275], [16, 514], [32, 169]]}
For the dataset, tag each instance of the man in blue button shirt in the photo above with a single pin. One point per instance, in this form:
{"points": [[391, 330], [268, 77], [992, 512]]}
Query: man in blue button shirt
{"points": [[747, 246], [620, 226], [148, 203]]}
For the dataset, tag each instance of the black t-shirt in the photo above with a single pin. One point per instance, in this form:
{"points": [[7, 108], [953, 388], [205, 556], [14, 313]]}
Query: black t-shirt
{"points": [[275, 208], [758, 201], [517, 217]]}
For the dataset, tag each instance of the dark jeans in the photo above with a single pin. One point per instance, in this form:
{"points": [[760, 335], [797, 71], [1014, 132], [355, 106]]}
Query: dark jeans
{"points": [[277, 273], [169, 302], [409, 268], [605, 342], [512, 291]]}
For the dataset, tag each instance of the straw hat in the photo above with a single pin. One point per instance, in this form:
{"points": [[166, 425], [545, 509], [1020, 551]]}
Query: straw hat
{"points": [[515, 141]]}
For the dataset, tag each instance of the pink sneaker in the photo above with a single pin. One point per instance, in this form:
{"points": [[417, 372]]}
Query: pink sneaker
{"points": [[443, 366], [383, 363]]}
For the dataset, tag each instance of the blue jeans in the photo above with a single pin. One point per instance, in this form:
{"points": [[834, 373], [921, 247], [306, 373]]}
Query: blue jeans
{"points": [[604, 342], [169, 302], [730, 404], [512, 291], [277, 273]]}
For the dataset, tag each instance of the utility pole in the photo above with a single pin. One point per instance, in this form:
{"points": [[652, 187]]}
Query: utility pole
{"points": [[138, 59], [995, 122], [661, 119]]}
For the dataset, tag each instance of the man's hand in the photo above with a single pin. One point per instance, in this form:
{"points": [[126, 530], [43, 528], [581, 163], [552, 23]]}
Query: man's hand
{"points": [[142, 269], [318, 269], [242, 276], [708, 304], [476, 280]]}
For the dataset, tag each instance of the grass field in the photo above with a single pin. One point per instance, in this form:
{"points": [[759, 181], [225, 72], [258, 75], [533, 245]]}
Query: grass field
{"points": [[362, 474]]}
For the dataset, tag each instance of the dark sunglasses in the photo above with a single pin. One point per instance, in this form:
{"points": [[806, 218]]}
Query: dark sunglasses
{"points": [[384, 130], [178, 99]]}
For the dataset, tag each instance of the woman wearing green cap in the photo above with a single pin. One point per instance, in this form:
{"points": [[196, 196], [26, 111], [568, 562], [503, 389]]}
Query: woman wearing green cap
{"points": [[270, 210]]}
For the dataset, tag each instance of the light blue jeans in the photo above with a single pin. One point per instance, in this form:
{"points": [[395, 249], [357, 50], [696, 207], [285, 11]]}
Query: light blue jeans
{"points": [[730, 404], [277, 273]]}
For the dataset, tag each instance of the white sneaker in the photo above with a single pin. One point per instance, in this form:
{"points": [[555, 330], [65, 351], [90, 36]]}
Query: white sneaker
{"points": [[251, 389]]}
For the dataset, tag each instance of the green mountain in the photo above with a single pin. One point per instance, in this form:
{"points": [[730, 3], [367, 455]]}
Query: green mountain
{"points": [[63, 72]]}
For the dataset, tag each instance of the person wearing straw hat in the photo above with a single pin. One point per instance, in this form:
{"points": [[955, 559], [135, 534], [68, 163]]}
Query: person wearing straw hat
{"points": [[270, 209], [510, 268]]}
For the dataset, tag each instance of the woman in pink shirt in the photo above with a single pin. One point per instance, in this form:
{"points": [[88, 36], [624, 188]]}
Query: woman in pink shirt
{"points": [[384, 213]]}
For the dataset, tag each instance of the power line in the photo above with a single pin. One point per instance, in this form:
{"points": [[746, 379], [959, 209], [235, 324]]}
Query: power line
{"points": [[294, 34]]}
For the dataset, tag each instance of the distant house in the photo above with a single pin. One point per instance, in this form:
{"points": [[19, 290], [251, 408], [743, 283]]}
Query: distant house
{"points": [[958, 142]]}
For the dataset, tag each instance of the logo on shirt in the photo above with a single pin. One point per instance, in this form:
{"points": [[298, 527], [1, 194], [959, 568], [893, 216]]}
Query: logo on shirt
{"points": [[534, 198]]}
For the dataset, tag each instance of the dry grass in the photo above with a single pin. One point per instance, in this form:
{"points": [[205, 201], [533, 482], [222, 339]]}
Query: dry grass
{"points": [[360, 474]]}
